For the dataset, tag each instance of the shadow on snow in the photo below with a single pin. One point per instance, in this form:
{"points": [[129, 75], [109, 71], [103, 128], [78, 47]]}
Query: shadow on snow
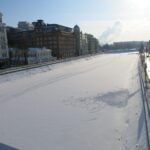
{"points": [[6, 147]]}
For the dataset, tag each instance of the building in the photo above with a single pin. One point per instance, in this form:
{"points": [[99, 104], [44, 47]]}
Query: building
{"points": [[58, 38], [77, 35], [17, 57], [4, 54], [63, 41], [127, 45], [30, 56], [25, 26], [93, 44], [39, 55], [84, 44]]}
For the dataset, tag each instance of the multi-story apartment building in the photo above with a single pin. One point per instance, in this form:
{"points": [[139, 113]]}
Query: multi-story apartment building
{"points": [[59, 39], [85, 43], [63, 41], [93, 44], [4, 55], [77, 35]]}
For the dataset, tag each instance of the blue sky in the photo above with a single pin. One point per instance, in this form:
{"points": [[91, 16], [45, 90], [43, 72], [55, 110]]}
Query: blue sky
{"points": [[93, 16], [59, 11]]}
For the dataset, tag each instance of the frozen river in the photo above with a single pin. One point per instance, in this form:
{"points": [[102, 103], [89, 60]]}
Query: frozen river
{"points": [[92, 103]]}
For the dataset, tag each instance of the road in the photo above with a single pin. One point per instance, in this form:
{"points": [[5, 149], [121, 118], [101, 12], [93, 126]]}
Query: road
{"points": [[92, 103]]}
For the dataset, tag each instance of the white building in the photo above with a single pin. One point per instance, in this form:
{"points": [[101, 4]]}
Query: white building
{"points": [[4, 55], [25, 26], [39, 55]]}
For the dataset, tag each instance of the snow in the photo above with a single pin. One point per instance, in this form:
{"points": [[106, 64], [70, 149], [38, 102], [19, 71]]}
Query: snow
{"points": [[147, 61], [92, 103]]}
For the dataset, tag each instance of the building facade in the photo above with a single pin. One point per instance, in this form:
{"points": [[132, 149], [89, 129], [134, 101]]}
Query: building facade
{"points": [[77, 36], [25, 26], [84, 44], [39, 55], [127, 45], [93, 44], [4, 55], [59, 39], [63, 41]]}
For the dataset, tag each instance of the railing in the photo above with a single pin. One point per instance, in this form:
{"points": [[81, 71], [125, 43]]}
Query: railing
{"points": [[145, 98]]}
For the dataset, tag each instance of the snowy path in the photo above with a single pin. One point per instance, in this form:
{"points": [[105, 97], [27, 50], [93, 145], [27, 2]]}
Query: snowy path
{"points": [[88, 104]]}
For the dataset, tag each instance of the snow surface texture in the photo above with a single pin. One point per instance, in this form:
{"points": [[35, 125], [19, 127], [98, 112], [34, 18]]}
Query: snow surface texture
{"points": [[93, 103], [147, 61]]}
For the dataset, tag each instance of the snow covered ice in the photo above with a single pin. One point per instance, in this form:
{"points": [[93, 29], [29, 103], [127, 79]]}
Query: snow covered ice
{"points": [[92, 103]]}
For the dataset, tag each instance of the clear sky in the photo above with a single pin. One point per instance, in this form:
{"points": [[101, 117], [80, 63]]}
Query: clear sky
{"points": [[108, 20]]}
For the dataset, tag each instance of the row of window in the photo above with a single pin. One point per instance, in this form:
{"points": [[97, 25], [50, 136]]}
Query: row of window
{"points": [[52, 44], [4, 55], [67, 54]]}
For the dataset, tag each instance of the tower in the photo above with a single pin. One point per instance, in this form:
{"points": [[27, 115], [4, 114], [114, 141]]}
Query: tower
{"points": [[77, 39]]}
